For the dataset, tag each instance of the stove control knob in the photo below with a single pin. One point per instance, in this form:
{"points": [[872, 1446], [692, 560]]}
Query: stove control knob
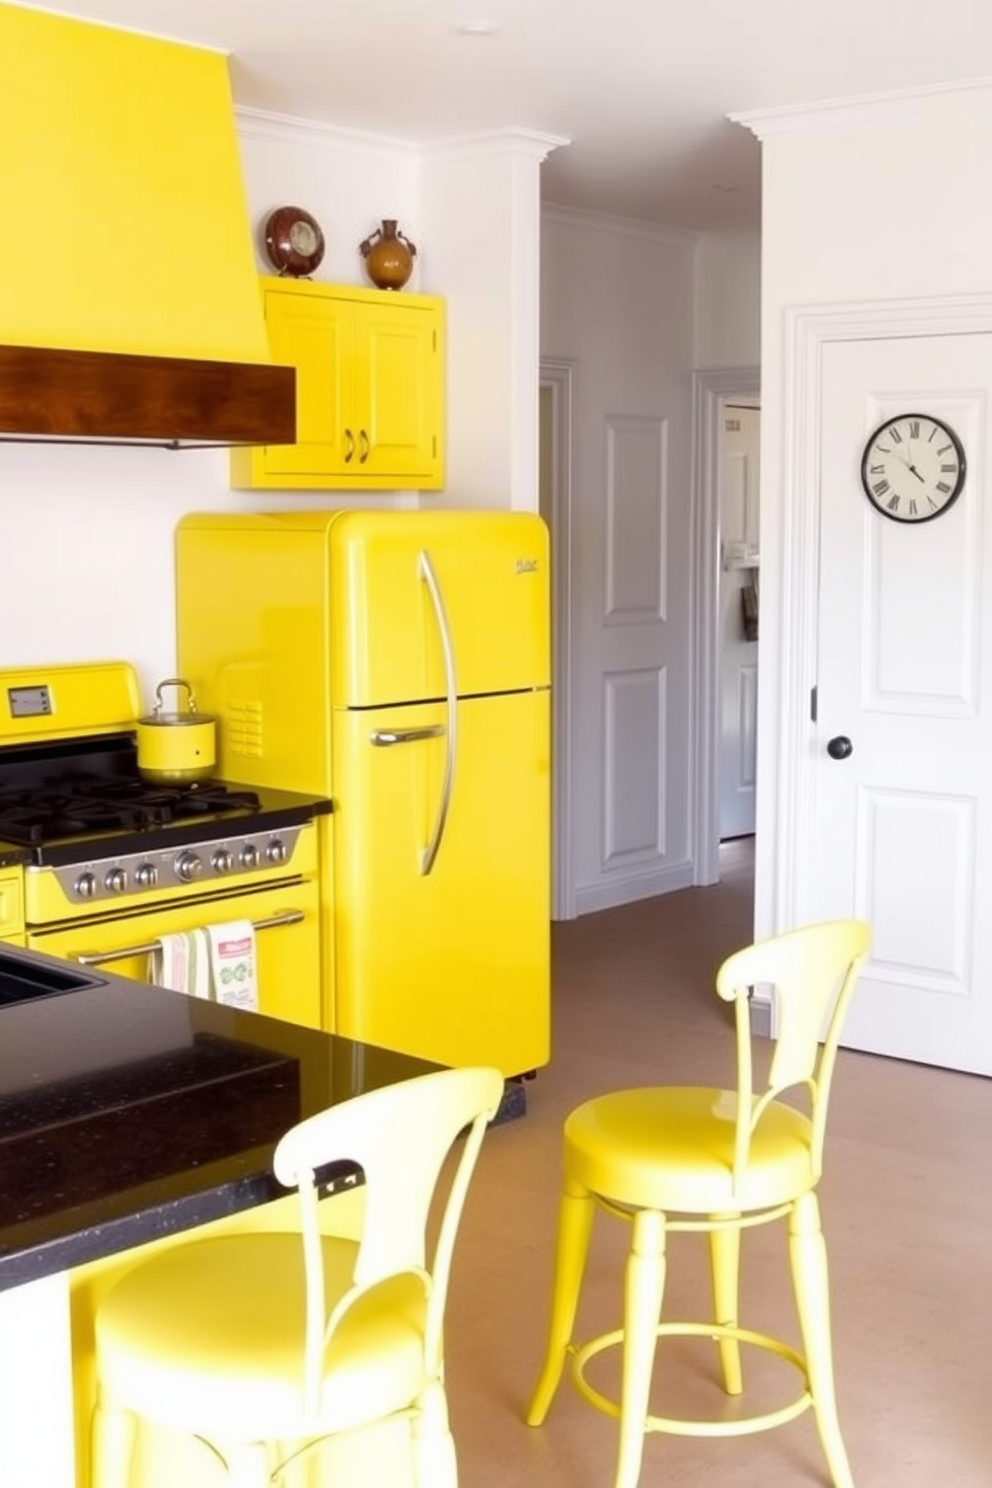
{"points": [[248, 856], [188, 867], [146, 876], [222, 861], [277, 852], [116, 880], [85, 886]]}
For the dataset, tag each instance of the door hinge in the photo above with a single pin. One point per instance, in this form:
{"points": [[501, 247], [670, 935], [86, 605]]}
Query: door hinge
{"points": [[812, 704]]}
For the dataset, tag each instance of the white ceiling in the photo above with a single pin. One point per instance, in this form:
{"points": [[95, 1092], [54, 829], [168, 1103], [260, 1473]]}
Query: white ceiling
{"points": [[642, 88]]}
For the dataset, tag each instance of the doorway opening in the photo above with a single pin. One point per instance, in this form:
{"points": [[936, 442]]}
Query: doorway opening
{"points": [[715, 393], [738, 619]]}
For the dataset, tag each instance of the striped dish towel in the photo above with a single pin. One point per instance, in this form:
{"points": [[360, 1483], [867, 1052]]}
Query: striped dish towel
{"points": [[182, 962]]}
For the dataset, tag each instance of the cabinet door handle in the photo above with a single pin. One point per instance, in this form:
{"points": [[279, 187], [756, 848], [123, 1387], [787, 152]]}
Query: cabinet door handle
{"points": [[366, 447], [349, 447]]}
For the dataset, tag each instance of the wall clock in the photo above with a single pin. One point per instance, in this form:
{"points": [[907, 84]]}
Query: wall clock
{"points": [[293, 241], [913, 467]]}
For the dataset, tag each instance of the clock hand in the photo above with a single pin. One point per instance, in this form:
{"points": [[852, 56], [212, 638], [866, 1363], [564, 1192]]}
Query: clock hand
{"points": [[913, 471]]}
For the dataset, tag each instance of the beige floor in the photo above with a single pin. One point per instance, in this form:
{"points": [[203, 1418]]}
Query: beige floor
{"points": [[907, 1206]]}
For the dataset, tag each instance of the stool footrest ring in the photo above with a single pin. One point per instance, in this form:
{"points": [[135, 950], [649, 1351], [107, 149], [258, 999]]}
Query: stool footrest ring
{"points": [[742, 1426]]}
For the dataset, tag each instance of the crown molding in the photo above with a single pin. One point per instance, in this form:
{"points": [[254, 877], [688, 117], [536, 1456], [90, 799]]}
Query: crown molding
{"points": [[862, 111], [514, 141], [630, 227], [255, 123]]}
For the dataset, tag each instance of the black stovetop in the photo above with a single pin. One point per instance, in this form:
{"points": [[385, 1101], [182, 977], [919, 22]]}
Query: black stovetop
{"points": [[85, 797]]}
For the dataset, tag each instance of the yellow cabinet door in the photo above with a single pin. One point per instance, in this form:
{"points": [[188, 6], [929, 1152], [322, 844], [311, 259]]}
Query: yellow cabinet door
{"points": [[369, 390], [398, 395], [311, 332]]}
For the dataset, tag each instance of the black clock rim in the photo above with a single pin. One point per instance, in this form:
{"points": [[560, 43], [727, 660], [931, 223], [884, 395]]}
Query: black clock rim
{"points": [[962, 468]]}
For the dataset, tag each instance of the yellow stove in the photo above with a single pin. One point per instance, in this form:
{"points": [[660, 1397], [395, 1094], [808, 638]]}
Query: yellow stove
{"points": [[96, 864]]}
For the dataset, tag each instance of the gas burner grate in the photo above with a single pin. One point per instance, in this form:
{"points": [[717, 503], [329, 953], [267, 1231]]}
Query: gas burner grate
{"points": [[78, 807]]}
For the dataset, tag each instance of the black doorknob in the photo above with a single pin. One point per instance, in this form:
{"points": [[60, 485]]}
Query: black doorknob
{"points": [[840, 747]]}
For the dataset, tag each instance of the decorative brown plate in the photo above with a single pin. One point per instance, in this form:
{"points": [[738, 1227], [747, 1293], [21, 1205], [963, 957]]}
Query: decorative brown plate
{"points": [[294, 241]]}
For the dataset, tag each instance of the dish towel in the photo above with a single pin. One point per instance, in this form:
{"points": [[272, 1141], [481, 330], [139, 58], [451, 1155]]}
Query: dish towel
{"points": [[182, 961], [233, 975]]}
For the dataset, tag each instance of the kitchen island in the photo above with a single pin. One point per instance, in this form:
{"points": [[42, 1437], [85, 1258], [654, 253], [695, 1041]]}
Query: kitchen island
{"points": [[130, 1115]]}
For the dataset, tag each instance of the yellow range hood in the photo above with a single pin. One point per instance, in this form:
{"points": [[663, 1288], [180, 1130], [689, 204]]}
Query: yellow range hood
{"points": [[130, 309]]}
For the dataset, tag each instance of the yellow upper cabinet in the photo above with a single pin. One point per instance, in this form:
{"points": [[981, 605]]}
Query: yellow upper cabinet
{"points": [[369, 390]]}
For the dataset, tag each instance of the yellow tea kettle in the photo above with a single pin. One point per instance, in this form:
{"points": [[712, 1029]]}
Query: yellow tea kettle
{"points": [[176, 748]]}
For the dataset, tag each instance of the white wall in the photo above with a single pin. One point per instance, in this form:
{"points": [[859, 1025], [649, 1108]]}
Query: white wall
{"points": [[482, 202], [862, 204], [86, 566], [728, 300], [348, 181]]}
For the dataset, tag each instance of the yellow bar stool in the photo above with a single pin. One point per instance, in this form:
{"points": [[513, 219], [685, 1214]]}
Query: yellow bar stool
{"points": [[687, 1158], [265, 1345]]}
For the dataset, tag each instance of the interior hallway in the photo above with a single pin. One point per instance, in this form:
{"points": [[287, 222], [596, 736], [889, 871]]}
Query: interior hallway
{"points": [[907, 1209]]}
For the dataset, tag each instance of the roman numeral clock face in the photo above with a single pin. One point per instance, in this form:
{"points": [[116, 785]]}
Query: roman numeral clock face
{"points": [[913, 468]]}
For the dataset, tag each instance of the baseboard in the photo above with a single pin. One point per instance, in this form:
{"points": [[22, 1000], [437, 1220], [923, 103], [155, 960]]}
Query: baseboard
{"points": [[611, 893]]}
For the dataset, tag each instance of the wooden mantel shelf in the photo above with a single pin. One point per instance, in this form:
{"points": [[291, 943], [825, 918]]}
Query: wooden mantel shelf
{"points": [[49, 393]]}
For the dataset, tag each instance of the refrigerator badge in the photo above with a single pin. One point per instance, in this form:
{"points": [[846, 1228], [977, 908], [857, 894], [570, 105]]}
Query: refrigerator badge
{"points": [[526, 565]]}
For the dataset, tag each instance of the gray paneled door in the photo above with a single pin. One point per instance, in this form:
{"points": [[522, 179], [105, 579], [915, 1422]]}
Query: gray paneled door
{"points": [[903, 823], [631, 652]]}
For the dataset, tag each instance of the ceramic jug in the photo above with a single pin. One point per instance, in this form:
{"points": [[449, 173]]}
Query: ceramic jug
{"points": [[388, 255]]}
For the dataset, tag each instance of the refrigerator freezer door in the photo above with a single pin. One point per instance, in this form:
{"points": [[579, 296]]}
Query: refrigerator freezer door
{"points": [[447, 955], [397, 579]]}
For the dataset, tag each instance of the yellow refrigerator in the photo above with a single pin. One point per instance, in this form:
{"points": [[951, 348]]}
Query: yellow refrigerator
{"points": [[398, 662]]}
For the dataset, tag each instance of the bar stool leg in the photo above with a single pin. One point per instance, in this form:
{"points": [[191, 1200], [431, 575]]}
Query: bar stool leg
{"points": [[643, 1291], [575, 1216], [248, 1466], [808, 1254], [725, 1263], [433, 1445], [114, 1433]]}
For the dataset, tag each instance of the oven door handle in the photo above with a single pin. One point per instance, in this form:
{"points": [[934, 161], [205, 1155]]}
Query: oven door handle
{"points": [[103, 958]]}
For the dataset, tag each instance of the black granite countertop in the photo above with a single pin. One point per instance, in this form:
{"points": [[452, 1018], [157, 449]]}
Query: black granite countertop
{"points": [[129, 1112]]}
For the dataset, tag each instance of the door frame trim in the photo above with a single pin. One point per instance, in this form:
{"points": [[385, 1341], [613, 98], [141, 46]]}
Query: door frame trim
{"points": [[555, 373], [711, 389], [806, 330]]}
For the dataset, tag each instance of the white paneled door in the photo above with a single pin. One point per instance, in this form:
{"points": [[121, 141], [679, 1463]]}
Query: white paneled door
{"points": [[903, 816], [631, 711], [739, 556]]}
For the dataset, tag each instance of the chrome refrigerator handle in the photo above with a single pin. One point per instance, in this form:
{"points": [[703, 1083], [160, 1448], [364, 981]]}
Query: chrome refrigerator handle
{"points": [[429, 577], [382, 738]]}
